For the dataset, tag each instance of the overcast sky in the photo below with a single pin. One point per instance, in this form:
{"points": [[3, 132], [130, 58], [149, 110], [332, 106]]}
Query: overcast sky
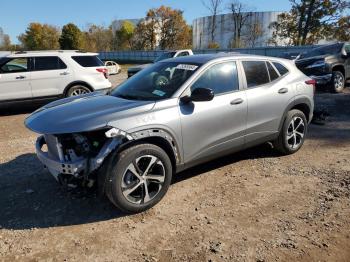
{"points": [[16, 15]]}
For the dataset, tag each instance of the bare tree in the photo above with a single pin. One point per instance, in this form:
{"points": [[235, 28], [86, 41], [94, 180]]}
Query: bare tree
{"points": [[214, 8], [255, 31], [240, 17]]}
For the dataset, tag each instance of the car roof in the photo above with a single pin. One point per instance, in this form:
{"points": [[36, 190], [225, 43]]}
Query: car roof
{"points": [[50, 53], [205, 58]]}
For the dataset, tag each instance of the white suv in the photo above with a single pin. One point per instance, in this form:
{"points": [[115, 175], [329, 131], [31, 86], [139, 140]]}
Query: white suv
{"points": [[48, 75]]}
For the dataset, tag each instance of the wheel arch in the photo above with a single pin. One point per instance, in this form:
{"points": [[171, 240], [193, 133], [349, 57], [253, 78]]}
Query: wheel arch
{"points": [[158, 137], [303, 104], [158, 141], [339, 67], [74, 84]]}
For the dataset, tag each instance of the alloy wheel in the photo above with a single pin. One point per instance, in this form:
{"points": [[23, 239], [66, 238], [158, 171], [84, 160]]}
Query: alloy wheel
{"points": [[79, 91], [295, 132], [143, 179], [338, 81]]}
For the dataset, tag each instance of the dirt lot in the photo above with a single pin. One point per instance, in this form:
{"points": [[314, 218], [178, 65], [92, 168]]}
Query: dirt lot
{"points": [[249, 206]]}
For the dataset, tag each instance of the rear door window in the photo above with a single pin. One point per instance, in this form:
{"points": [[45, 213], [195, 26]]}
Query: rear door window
{"points": [[88, 61], [281, 69], [15, 65], [44, 63], [256, 73]]}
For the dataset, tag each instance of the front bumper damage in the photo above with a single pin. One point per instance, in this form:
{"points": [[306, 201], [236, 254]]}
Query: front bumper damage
{"points": [[66, 162], [57, 166]]}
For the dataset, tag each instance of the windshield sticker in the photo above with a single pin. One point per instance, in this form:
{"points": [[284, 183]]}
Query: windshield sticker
{"points": [[186, 67], [158, 93]]}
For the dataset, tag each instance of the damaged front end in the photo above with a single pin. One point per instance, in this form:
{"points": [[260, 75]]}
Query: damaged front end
{"points": [[74, 158]]}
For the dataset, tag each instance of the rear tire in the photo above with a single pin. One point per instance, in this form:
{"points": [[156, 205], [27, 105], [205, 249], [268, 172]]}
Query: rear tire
{"points": [[139, 178], [338, 82], [292, 134], [77, 90]]}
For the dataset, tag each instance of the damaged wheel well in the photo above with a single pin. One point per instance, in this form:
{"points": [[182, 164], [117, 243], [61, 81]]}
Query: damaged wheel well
{"points": [[158, 141]]}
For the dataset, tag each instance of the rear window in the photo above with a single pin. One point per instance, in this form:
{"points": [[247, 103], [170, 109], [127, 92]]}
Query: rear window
{"points": [[256, 73], [281, 69], [88, 61], [48, 63]]}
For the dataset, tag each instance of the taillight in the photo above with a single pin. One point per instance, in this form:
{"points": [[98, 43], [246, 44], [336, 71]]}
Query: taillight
{"points": [[311, 82], [104, 71]]}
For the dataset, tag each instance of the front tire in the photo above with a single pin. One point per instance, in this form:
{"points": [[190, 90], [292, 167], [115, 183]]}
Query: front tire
{"points": [[292, 134], [338, 82], [139, 178]]}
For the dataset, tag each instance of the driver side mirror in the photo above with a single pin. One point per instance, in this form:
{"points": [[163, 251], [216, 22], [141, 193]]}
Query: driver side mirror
{"points": [[199, 95]]}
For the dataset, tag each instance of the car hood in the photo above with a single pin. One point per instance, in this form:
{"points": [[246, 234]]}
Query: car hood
{"points": [[301, 59], [84, 113], [301, 63]]}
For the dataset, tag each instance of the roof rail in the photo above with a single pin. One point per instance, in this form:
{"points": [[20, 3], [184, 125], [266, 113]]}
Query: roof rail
{"points": [[42, 51]]}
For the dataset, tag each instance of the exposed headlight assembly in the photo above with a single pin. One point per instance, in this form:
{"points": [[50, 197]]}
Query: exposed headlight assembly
{"points": [[319, 63]]}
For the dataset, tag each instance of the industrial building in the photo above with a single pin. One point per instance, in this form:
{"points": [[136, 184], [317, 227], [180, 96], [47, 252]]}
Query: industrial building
{"points": [[224, 30]]}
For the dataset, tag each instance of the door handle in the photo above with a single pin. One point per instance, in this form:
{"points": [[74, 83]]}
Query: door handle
{"points": [[236, 101], [64, 73], [283, 90], [20, 77]]}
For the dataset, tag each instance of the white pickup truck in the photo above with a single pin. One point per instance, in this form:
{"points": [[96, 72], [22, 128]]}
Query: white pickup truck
{"points": [[169, 54]]}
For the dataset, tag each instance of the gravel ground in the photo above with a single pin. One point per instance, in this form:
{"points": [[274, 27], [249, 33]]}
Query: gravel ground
{"points": [[250, 206]]}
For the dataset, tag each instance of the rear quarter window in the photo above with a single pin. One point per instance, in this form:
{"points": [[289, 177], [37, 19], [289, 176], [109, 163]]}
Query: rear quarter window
{"points": [[88, 61], [280, 68], [272, 72]]}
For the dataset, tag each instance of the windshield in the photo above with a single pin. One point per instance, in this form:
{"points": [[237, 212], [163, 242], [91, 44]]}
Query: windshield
{"points": [[324, 50], [156, 82], [165, 56]]}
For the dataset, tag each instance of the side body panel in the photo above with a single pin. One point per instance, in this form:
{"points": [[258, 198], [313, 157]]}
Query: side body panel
{"points": [[210, 128], [50, 82], [265, 108], [15, 86]]}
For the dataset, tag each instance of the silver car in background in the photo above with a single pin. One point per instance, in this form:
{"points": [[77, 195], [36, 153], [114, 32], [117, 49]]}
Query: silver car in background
{"points": [[171, 116]]}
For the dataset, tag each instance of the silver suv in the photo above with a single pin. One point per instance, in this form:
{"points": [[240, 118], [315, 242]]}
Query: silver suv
{"points": [[48, 75], [172, 115]]}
